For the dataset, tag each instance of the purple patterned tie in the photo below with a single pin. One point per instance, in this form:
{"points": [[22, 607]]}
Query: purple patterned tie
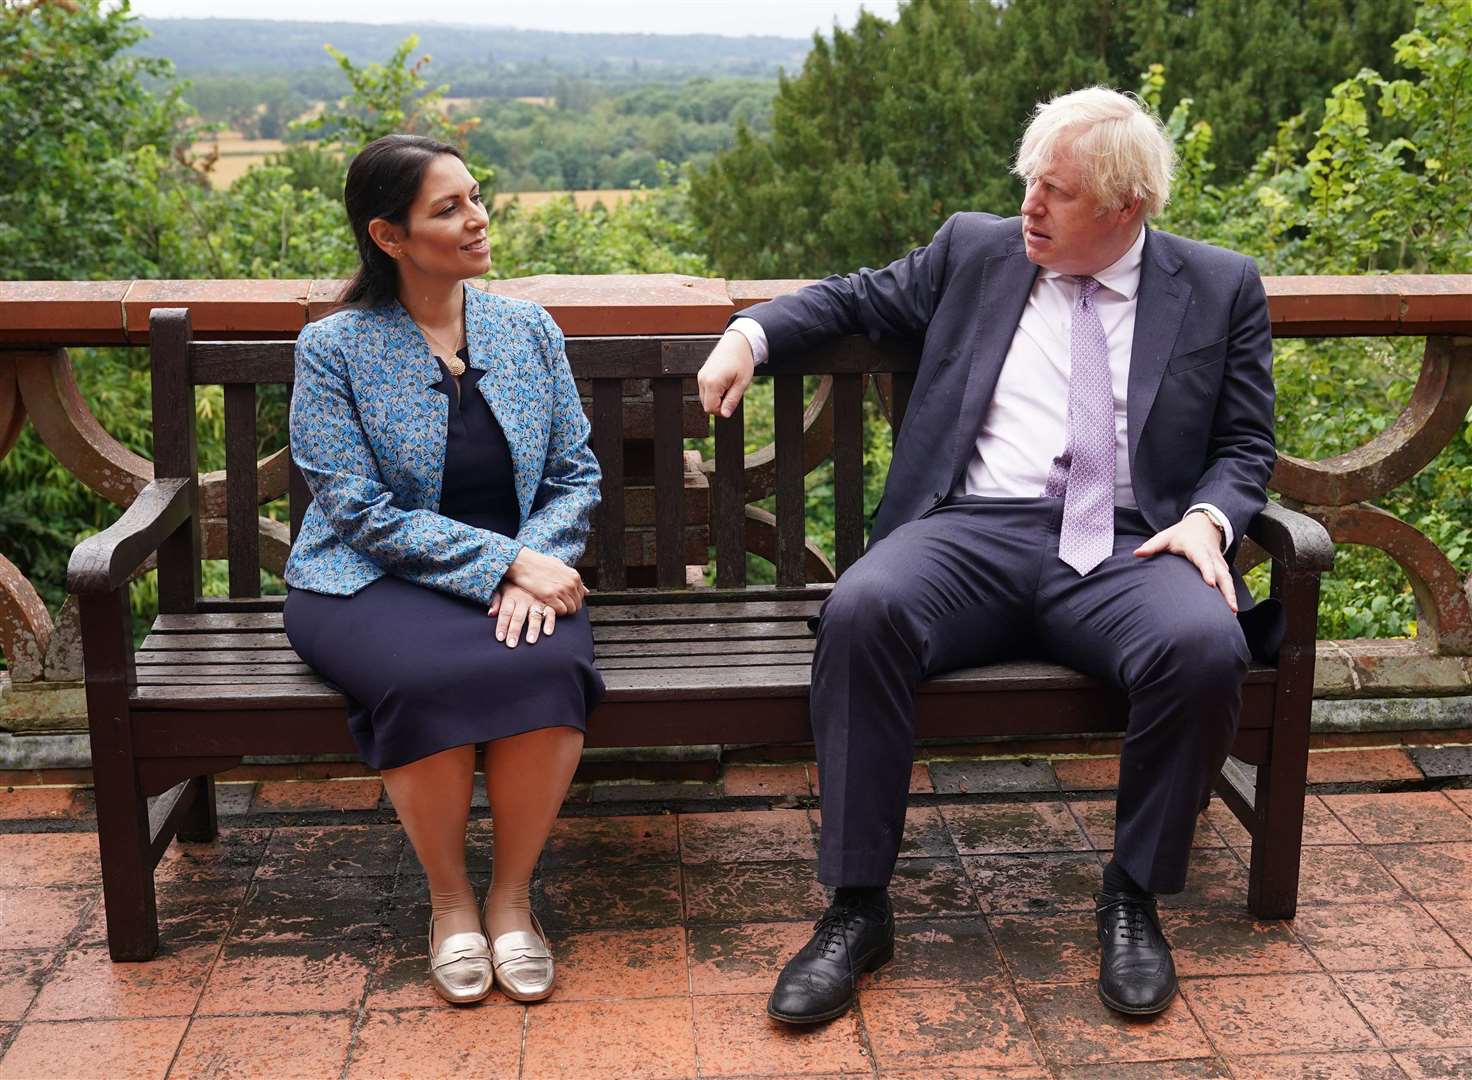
{"points": [[1084, 473]]}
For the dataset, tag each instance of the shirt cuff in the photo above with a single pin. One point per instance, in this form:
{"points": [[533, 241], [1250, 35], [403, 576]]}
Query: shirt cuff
{"points": [[755, 336], [1216, 516]]}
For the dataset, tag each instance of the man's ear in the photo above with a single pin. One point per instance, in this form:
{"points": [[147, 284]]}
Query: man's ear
{"points": [[387, 236]]}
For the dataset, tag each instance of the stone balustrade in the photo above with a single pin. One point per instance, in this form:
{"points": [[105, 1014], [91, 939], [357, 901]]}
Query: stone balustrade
{"points": [[39, 321]]}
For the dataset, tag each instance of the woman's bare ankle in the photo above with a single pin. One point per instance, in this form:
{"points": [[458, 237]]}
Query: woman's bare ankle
{"points": [[453, 912], [508, 909]]}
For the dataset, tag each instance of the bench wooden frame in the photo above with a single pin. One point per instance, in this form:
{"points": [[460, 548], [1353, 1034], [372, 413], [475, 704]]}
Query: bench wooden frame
{"points": [[215, 679]]}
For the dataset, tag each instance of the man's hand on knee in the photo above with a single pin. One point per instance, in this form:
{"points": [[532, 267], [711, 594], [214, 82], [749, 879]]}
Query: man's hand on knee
{"points": [[726, 374], [1196, 538]]}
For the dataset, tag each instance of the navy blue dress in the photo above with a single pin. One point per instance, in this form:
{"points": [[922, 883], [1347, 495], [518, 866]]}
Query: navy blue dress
{"points": [[422, 669]]}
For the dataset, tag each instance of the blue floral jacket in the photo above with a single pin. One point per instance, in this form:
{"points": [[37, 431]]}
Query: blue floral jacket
{"points": [[368, 434]]}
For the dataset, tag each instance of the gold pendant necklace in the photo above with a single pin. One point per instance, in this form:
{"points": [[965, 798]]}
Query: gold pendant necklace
{"points": [[455, 365]]}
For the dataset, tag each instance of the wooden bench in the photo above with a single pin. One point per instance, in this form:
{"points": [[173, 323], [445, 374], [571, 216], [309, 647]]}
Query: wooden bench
{"points": [[215, 679]]}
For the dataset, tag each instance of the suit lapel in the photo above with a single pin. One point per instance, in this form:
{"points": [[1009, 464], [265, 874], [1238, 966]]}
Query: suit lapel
{"points": [[1006, 281], [418, 417], [501, 386], [1160, 308]]}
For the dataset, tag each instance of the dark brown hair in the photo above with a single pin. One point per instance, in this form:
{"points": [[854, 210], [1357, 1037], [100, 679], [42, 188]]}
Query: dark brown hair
{"points": [[383, 179]]}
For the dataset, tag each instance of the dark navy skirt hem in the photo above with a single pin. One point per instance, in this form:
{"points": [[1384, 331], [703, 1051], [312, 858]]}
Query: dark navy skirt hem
{"points": [[423, 672]]}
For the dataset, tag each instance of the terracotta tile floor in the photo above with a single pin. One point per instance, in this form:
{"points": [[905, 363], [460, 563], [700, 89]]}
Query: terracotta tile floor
{"points": [[296, 948]]}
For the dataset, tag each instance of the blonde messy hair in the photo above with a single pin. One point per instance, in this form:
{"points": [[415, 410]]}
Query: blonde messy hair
{"points": [[1118, 143]]}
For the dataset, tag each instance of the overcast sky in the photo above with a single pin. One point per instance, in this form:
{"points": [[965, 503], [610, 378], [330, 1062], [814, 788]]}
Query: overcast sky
{"points": [[737, 18]]}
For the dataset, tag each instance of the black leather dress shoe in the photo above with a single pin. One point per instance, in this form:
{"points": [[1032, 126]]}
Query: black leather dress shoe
{"points": [[819, 982], [1136, 973]]}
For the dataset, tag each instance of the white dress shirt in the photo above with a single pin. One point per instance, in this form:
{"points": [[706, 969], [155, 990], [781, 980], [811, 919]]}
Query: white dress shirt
{"points": [[1026, 425]]}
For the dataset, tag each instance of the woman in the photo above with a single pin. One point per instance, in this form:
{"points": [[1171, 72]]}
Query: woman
{"points": [[441, 435]]}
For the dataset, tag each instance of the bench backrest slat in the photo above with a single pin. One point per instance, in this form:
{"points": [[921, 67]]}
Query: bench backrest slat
{"points": [[175, 452], [728, 499], [669, 482], [787, 410], [241, 507], [901, 383], [299, 497], [222, 363], [848, 470], [608, 445]]}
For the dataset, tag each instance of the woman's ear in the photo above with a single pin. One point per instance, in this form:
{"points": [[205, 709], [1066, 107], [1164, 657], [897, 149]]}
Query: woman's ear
{"points": [[387, 236]]}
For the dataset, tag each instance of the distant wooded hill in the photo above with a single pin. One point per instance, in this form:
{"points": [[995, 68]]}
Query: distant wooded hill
{"points": [[477, 61]]}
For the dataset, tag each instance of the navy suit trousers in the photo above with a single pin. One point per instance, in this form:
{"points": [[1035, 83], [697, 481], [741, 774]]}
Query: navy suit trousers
{"points": [[964, 585]]}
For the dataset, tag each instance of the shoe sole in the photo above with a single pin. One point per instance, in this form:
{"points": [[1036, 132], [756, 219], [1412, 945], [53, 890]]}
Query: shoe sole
{"points": [[874, 963], [524, 998], [1135, 1010], [517, 995], [462, 1000]]}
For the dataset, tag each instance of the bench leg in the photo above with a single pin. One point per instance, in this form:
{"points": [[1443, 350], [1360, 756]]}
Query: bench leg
{"points": [[1277, 840], [127, 864], [1277, 808], [1282, 781], [201, 824], [123, 834]]}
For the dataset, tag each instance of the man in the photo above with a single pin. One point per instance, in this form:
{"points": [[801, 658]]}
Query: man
{"points": [[1090, 432]]}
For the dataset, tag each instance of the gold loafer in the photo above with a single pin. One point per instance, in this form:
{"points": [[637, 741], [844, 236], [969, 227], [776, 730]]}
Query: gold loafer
{"points": [[461, 970], [523, 964]]}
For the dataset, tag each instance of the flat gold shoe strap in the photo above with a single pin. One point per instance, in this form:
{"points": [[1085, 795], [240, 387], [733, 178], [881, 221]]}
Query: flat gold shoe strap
{"points": [[520, 945], [463, 946]]}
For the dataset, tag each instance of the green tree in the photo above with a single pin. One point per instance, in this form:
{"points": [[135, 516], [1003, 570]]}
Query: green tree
{"points": [[75, 122], [891, 127], [388, 98], [1384, 183], [864, 158], [1248, 64], [651, 234]]}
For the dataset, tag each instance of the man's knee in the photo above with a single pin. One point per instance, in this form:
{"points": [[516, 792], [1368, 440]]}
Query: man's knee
{"points": [[1204, 655], [866, 604]]}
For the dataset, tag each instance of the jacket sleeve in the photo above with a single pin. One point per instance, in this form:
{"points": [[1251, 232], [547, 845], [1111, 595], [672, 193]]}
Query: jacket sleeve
{"points": [[1240, 453], [896, 301], [329, 446], [569, 489]]}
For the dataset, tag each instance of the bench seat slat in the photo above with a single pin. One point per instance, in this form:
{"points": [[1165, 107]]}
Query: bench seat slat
{"points": [[676, 632], [673, 647], [282, 667], [217, 656], [614, 614], [727, 660], [217, 621], [601, 614], [254, 678], [237, 696], [701, 631], [778, 646], [259, 639]]}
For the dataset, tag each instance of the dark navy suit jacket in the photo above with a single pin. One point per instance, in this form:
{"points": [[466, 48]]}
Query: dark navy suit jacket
{"points": [[1200, 386], [1200, 400]]}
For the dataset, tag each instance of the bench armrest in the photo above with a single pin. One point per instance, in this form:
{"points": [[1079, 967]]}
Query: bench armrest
{"points": [[1295, 540], [105, 562]]}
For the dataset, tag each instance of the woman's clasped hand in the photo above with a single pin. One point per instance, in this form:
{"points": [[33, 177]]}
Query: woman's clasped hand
{"points": [[537, 588]]}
